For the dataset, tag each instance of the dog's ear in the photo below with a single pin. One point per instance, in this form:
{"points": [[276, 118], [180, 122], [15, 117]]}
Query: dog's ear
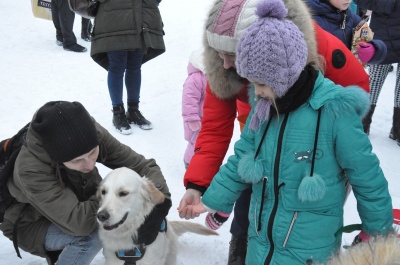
{"points": [[150, 192]]}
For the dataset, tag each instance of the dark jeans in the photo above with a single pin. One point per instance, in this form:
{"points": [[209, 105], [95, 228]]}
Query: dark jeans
{"points": [[63, 19], [126, 63], [240, 222]]}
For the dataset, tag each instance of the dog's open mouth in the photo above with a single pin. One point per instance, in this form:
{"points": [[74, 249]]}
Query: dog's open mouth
{"points": [[111, 227]]}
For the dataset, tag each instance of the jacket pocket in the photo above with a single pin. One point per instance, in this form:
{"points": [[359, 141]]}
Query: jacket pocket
{"points": [[311, 222], [334, 196]]}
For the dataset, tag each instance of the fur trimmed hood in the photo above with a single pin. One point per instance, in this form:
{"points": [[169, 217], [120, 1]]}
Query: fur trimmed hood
{"points": [[339, 100], [226, 83]]}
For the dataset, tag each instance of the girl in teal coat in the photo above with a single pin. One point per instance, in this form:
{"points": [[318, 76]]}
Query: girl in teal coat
{"points": [[302, 141]]}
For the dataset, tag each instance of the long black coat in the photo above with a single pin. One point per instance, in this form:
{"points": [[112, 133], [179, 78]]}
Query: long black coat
{"points": [[385, 23], [127, 25]]}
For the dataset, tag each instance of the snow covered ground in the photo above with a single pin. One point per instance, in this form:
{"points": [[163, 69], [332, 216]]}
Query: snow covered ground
{"points": [[34, 70]]}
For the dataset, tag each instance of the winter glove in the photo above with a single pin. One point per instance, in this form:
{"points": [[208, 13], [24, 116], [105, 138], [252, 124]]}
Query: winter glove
{"points": [[365, 51], [216, 220], [361, 237], [194, 125], [192, 129], [149, 230]]}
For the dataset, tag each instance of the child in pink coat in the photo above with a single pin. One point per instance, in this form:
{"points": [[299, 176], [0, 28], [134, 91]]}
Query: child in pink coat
{"points": [[193, 95]]}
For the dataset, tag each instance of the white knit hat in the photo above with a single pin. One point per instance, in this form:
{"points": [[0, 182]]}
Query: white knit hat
{"points": [[227, 21]]}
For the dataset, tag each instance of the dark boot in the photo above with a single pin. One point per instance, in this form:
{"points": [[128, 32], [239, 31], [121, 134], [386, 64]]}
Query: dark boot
{"points": [[74, 48], [134, 116], [119, 120], [237, 250], [395, 131], [86, 29], [368, 119]]}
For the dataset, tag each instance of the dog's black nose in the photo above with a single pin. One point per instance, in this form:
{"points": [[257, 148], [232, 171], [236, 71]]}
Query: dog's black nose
{"points": [[103, 216]]}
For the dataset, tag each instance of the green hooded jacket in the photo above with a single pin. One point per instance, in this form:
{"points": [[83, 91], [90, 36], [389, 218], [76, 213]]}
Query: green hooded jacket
{"points": [[284, 229]]}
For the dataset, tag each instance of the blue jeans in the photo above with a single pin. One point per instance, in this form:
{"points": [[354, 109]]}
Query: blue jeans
{"points": [[126, 63], [76, 250], [240, 222]]}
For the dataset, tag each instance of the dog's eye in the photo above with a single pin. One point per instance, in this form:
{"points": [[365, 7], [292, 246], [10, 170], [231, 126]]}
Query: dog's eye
{"points": [[103, 192], [122, 193]]}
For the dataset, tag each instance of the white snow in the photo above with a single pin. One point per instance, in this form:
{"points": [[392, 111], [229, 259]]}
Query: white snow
{"points": [[34, 70]]}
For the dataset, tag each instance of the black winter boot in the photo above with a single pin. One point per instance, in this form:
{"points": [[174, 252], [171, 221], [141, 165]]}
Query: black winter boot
{"points": [[75, 47], [86, 29], [395, 131], [134, 116], [237, 251], [119, 120], [368, 119]]}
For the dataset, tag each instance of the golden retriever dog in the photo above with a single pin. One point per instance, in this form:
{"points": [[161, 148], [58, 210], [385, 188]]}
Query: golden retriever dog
{"points": [[125, 200], [377, 251]]}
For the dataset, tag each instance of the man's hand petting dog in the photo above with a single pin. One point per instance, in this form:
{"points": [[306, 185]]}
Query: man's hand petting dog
{"points": [[149, 230]]}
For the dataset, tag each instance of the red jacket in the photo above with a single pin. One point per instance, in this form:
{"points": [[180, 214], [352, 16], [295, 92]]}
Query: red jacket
{"points": [[219, 114]]}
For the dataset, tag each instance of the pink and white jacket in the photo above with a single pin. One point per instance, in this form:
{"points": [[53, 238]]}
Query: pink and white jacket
{"points": [[193, 96]]}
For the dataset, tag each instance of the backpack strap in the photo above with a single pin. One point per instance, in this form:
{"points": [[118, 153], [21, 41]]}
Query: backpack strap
{"points": [[15, 232]]}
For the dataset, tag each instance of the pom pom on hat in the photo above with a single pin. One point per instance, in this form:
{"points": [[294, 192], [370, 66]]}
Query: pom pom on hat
{"points": [[274, 9], [272, 50]]}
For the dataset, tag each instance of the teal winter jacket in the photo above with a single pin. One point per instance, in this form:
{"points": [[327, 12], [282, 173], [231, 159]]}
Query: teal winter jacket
{"points": [[283, 228]]}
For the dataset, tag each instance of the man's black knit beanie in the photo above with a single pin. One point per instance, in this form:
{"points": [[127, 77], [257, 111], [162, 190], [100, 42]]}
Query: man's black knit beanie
{"points": [[66, 129]]}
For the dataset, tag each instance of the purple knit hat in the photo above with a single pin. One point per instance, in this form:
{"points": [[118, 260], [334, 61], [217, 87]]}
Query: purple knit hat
{"points": [[272, 50], [227, 21]]}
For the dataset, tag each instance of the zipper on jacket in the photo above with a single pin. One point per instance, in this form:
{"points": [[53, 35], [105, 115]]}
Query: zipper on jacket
{"points": [[255, 217], [290, 228], [276, 190], [344, 18], [262, 202]]}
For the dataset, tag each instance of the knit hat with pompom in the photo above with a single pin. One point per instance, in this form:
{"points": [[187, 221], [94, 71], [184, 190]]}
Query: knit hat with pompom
{"points": [[272, 50]]}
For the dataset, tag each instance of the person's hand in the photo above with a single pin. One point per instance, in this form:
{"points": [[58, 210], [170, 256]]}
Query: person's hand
{"points": [[216, 220], [365, 51], [361, 237], [191, 198], [194, 125], [149, 230]]}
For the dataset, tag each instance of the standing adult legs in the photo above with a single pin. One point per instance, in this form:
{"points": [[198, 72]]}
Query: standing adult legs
{"points": [[133, 81], [133, 77], [395, 131], [76, 250], [115, 80], [63, 19], [397, 88], [86, 28], [56, 21], [377, 76]]}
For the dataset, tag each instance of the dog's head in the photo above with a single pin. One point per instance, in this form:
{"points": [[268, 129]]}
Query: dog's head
{"points": [[125, 200]]}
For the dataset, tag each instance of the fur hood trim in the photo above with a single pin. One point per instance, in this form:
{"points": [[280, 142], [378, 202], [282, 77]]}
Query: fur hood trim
{"points": [[337, 100], [226, 83], [352, 98]]}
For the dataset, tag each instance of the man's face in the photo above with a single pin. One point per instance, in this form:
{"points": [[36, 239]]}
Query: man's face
{"points": [[84, 163]]}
